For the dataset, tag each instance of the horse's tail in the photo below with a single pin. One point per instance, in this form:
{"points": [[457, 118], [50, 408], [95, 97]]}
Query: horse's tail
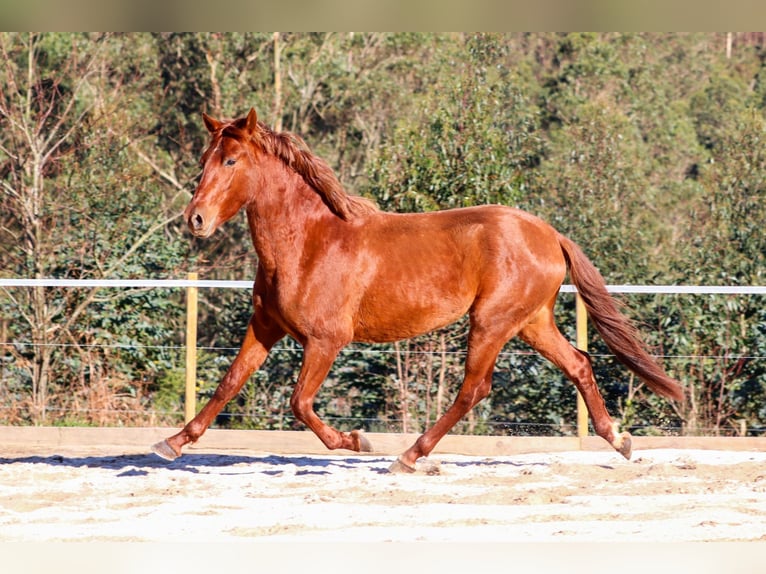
{"points": [[618, 333]]}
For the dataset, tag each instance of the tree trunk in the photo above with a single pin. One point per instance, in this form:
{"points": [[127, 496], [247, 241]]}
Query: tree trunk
{"points": [[277, 113]]}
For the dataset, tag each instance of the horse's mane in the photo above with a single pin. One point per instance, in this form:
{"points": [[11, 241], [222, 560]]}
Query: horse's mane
{"points": [[293, 151]]}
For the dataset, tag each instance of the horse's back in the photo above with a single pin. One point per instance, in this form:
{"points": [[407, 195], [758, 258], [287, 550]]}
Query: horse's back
{"points": [[484, 238]]}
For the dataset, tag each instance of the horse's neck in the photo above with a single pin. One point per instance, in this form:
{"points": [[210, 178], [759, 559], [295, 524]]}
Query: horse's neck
{"points": [[282, 216]]}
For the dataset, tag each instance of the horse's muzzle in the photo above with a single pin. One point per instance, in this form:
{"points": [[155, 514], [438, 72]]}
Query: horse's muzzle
{"points": [[198, 224]]}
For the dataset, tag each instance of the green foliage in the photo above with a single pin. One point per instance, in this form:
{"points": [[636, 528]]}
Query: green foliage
{"points": [[646, 149], [473, 138], [726, 245], [595, 170]]}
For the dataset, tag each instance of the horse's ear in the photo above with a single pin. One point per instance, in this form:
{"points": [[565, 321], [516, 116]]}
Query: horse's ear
{"points": [[252, 121], [211, 124]]}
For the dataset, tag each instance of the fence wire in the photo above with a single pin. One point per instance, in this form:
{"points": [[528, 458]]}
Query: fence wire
{"points": [[508, 427]]}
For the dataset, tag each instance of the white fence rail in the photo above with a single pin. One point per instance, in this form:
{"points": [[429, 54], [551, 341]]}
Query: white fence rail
{"points": [[203, 283]]}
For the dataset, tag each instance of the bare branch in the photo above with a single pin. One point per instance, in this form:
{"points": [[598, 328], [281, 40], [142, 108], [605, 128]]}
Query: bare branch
{"points": [[256, 55], [162, 173], [20, 308], [212, 62], [10, 190], [78, 310], [53, 142]]}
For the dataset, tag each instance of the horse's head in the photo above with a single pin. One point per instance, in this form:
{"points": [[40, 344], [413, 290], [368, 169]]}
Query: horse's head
{"points": [[226, 174]]}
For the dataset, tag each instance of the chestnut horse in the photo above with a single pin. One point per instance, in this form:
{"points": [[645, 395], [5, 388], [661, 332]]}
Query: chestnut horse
{"points": [[333, 269]]}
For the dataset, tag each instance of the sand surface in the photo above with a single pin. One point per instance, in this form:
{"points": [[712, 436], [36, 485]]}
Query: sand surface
{"points": [[659, 496]]}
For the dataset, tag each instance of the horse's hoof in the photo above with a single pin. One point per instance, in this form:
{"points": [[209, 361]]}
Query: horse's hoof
{"points": [[163, 450], [398, 467], [361, 442], [625, 445], [423, 466]]}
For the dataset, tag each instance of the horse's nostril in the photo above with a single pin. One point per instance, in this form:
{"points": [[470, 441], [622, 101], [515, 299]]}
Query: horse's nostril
{"points": [[197, 221]]}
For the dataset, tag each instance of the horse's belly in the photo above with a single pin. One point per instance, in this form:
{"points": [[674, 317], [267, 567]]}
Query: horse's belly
{"points": [[401, 319]]}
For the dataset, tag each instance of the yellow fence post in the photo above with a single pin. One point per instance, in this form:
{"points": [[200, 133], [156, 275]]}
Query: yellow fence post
{"points": [[190, 404], [582, 344]]}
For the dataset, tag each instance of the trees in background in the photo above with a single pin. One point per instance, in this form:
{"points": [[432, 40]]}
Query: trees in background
{"points": [[80, 200], [644, 148]]}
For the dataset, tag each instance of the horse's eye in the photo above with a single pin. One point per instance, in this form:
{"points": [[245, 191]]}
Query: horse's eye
{"points": [[230, 161]]}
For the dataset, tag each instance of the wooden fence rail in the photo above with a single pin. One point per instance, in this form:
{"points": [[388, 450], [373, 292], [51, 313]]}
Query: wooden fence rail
{"points": [[134, 440]]}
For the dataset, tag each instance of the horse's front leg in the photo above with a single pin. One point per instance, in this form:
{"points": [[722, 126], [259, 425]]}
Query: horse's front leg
{"points": [[259, 339], [318, 357]]}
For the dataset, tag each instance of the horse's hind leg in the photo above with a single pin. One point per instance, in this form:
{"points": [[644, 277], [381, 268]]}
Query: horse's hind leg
{"points": [[543, 335], [483, 348]]}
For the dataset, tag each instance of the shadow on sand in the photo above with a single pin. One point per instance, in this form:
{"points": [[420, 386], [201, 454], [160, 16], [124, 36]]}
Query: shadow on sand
{"points": [[274, 465]]}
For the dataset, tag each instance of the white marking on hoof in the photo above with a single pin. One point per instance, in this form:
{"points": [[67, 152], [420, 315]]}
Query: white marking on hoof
{"points": [[623, 442]]}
